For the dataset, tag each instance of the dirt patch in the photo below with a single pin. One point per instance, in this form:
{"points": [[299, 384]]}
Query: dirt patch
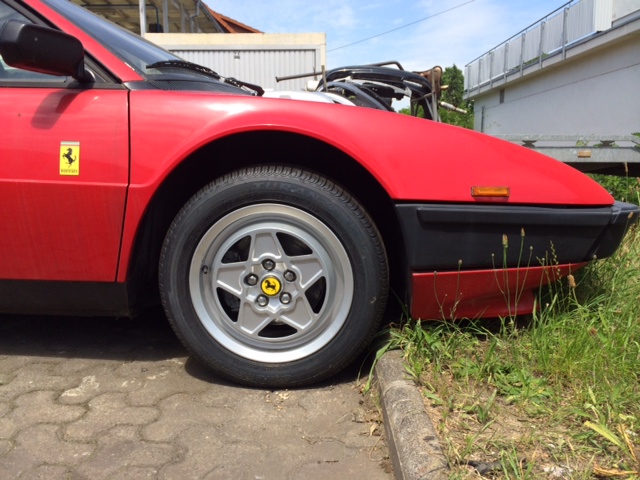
{"points": [[485, 436]]}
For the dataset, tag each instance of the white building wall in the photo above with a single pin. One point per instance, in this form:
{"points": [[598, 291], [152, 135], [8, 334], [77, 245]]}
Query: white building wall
{"points": [[622, 8], [592, 93]]}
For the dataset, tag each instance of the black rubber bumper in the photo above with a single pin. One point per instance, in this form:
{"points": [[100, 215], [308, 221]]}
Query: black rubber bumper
{"points": [[464, 236]]}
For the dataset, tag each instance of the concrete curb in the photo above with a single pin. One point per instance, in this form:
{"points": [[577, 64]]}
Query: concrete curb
{"points": [[413, 444]]}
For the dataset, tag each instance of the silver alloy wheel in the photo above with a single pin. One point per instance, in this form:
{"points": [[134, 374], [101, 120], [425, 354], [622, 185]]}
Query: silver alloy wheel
{"points": [[271, 283]]}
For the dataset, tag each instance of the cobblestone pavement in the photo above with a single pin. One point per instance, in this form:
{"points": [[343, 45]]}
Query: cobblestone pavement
{"points": [[92, 398]]}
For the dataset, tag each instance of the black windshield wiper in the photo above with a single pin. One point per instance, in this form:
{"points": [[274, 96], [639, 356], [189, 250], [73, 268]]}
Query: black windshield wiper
{"points": [[194, 67], [253, 89]]}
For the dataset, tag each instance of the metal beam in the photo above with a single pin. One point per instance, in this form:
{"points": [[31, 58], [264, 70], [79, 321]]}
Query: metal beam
{"points": [[615, 154], [165, 16], [143, 17]]}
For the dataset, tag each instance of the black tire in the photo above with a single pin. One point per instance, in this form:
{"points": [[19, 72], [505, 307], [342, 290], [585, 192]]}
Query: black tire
{"points": [[274, 277]]}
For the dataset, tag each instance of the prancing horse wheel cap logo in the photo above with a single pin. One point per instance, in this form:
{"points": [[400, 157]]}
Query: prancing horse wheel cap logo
{"points": [[271, 286]]}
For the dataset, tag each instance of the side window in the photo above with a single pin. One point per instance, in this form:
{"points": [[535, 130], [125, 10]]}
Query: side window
{"points": [[10, 75]]}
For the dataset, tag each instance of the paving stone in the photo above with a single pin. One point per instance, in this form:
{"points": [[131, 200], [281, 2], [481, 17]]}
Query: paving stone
{"points": [[5, 446], [106, 411], [8, 428], [40, 407], [180, 412], [134, 473], [44, 445], [114, 455], [88, 388], [76, 365], [5, 378], [92, 386], [32, 377], [16, 462], [327, 469], [201, 457], [160, 382], [45, 472]]}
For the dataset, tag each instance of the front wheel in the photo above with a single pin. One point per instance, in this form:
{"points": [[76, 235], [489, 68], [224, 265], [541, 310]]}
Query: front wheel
{"points": [[274, 277]]}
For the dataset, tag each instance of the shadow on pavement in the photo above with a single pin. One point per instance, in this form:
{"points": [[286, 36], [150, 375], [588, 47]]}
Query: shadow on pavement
{"points": [[146, 338]]}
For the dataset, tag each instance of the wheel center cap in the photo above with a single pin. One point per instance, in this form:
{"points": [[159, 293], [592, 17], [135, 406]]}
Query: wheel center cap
{"points": [[271, 286]]}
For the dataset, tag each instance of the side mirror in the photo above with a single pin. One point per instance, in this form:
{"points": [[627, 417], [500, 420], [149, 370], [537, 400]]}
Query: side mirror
{"points": [[43, 50]]}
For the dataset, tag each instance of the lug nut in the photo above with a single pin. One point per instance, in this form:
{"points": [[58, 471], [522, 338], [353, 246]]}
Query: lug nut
{"points": [[251, 279], [269, 264], [262, 300], [285, 298], [289, 276]]}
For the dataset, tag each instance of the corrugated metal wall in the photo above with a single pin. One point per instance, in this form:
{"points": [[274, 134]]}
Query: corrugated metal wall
{"points": [[259, 66]]}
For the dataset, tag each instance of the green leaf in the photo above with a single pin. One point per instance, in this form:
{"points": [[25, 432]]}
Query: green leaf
{"points": [[605, 432]]}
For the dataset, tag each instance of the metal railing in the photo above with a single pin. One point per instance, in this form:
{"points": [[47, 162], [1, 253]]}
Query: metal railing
{"points": [[550, 35]]}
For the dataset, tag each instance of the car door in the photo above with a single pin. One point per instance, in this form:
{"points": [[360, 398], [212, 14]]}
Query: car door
{"points": [[64, 156]]}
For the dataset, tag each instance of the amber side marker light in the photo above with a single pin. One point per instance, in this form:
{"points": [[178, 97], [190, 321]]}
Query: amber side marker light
{"points": [[490, 192]]}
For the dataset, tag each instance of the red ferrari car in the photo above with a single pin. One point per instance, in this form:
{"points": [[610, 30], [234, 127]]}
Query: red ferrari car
{"points": [[270, 230]]}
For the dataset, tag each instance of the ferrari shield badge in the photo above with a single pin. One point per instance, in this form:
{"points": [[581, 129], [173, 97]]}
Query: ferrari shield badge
{"points": [[69, 158]]}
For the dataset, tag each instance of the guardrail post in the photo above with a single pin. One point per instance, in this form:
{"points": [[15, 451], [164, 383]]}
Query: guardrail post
{"points": [[541, 47], [491, 68], [564, 33], [522, 45], [505, 67]]}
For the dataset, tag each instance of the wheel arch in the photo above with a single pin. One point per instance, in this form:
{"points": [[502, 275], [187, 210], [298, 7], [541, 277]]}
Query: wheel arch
{"points": [[250, 149]]}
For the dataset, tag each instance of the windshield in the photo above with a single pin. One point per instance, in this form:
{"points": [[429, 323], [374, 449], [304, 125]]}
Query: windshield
{"points": [[137, 52], [160, 67]]}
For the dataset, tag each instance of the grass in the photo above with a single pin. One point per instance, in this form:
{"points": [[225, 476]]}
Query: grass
{"points": [[552, 395]]}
